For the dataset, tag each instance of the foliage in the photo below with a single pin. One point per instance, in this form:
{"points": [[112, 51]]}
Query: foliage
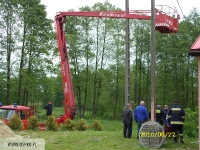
{"points": [[26, 38], [97, 126], [191, 123], [15, 123], [81, 125], [51, 123], [68, 125], [33, 123]]}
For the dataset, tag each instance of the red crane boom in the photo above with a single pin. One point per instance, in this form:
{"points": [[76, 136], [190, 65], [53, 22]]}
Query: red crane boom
{"points": [[165, 23]]}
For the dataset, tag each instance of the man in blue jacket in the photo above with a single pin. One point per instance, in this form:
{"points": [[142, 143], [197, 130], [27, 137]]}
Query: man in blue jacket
{"points": [[140, 116]]}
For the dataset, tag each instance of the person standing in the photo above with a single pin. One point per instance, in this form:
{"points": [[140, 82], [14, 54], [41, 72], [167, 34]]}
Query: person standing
{"points": [[167, 126], [127, 120], [132, 104], [49, 108], [176, 116], [160, 115], [166, 109], [140, 116]]}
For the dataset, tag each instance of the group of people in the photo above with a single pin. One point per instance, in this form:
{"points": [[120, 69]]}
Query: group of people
{"points": [[172, 117]]}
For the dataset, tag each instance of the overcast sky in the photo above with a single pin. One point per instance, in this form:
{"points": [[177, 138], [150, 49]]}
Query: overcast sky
{"points": [[54, 6]]}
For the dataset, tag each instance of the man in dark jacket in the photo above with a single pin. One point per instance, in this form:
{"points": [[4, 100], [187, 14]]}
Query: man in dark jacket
{"points": [[160, 115], [176, 116], [127, 120], [166, 109], [49, 108]]}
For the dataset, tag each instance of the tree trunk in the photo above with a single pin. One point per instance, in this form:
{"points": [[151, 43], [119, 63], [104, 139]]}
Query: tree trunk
{"points": [[101, 68], [136, 75], [87, 73], [78, 88], [94, 109], [116, 95], [21, 67], [9, 43]]}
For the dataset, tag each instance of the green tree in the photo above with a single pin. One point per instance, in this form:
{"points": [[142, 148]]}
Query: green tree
{"points": [[9, 31], [36, 43]]}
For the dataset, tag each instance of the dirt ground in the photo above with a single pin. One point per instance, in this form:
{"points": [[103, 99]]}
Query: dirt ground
{"points": [[6, 132]]}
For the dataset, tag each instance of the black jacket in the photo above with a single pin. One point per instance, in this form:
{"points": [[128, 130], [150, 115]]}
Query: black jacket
{"points": [[127, 116], [166, 113], [176, 114], [160, 115], [48, 108]]}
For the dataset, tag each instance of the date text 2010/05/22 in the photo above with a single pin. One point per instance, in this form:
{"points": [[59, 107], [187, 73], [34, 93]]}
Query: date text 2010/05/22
{"points": [[157, 134]]}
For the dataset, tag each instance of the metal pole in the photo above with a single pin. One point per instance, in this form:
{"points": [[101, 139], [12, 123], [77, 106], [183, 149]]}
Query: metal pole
{"points": [[199, 94], [153, 61], [127, 67]]}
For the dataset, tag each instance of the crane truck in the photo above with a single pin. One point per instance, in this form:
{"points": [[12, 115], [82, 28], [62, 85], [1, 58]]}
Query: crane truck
{"points": [[166, 22]]}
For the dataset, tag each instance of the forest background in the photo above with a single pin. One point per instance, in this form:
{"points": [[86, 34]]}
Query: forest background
{"points": [[30, 70]]}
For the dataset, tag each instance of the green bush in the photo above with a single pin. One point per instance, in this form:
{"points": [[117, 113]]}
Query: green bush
{"points": [[97, 126], [191, 123], [51, 123], [15, 123], [81, 125], [33, 123], [68, 125]]}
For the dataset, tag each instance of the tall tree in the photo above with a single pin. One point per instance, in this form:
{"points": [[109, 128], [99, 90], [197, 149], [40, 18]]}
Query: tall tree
{"points": [[9, 31], [26, 40]]}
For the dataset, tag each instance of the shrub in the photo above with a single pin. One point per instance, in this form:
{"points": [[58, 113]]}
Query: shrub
{"points": [[81, 125], [68, 125], [33, 122], [97, 126], [15, 123], [51, 123], [191, 123]]}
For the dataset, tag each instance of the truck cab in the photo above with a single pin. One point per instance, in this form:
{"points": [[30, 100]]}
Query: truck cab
{"points": [[24, 112]]}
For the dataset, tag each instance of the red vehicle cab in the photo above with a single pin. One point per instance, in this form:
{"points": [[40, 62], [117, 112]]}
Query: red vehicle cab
{"points": [[8, 111]]}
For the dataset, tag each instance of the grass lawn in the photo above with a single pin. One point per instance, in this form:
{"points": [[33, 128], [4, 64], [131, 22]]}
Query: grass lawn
{"points": [[111, 138]]}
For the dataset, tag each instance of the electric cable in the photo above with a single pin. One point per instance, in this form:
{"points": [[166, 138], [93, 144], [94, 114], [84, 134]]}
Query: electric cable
{"points": [[180, 8], [189, 26]]}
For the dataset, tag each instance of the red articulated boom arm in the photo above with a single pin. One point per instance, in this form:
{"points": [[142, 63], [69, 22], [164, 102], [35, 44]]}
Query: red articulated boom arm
{"points": [[165, 23]]}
